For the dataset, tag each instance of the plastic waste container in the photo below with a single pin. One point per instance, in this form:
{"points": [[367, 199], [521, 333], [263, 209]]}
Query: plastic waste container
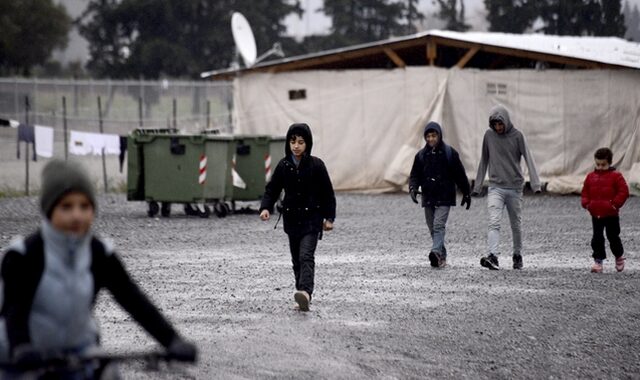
{"points": [[252, 161], [173, 168]]}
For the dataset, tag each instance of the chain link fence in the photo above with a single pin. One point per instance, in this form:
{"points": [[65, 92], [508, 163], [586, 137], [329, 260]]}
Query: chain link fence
{"points": [[121, 106]]}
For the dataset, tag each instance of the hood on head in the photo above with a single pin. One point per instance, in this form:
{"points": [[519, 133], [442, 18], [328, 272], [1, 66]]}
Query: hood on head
{"points": [[302, 130], [435, 126], [500, 113]]}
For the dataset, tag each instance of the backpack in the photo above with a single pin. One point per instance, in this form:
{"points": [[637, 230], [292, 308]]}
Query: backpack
{"points": [[34, 254], [34, 248]]}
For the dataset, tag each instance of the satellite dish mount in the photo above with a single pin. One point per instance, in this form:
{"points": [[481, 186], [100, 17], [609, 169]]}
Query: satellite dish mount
{"points": [[246, 43]]}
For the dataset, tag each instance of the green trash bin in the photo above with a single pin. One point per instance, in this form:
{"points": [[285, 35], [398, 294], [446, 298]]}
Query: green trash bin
{"points": [[173, 168], [135, 167], [253, 159]]}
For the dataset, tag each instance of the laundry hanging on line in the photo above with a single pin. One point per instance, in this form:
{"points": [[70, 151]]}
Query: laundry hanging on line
{"points": [[83, 143], [9, 123], [26, 133], [43, 141], [123, 151]]}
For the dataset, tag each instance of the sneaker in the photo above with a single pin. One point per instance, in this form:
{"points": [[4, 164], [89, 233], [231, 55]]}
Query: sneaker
{"points": [[620, 263], [434, 259], [517, 261], [442, 263], [490, 262], [302, 299], [597, 267]]}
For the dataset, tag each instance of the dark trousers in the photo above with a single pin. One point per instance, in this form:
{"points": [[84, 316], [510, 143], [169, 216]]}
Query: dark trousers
{"points": [[303, 248], [612, 226]]}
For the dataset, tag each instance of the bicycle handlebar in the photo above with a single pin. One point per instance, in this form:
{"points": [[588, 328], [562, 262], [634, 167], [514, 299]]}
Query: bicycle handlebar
{"points": [[74, 361]]}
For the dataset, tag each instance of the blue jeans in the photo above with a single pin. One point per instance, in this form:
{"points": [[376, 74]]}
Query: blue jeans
{"points": [[498, 199], [437, 221]]}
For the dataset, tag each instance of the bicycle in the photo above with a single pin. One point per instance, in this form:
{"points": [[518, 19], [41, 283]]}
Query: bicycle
{"points": [[94, 366]]}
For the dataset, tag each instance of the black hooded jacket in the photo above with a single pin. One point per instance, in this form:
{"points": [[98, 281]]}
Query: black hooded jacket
{"points": [[308, 193], [438, 174]]}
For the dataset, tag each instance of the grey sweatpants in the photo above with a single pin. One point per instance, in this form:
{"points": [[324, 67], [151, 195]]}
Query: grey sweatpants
{"points": [[498, 200]]}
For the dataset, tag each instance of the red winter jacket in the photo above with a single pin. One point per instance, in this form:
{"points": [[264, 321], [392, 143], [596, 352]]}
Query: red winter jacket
{"points": [[604, 192]]}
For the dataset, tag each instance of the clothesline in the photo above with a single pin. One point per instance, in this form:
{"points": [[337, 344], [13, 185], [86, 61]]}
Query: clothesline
{"points": [[80, 143]]}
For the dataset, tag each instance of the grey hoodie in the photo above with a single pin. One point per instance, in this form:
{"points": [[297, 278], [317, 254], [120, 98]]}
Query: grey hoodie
{"points": [[501, 154]]}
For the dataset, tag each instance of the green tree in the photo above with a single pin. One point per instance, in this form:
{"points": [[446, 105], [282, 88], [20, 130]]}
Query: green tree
{"points": [[29, 32], [360, 21], [612, 20], [413, 15], [453, 15], [510, 16], [632, 22], [582, 17], [175, 38]]}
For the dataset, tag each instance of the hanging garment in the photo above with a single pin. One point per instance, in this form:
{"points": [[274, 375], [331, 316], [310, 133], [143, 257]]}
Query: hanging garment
{"points": [[9, 123], [26, 134], [43, 141], [123, 151], [83, 143]]}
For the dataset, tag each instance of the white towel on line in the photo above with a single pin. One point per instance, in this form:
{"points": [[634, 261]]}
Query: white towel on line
{"points": [[83, 143], [44, 141]]}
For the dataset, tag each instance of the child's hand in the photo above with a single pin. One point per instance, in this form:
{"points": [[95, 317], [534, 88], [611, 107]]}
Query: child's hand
{"points": [[264, 215], [327, 225]]}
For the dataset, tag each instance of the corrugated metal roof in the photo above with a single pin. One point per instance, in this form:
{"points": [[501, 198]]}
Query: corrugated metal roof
{"points": [[605, 50], [609, 50]]}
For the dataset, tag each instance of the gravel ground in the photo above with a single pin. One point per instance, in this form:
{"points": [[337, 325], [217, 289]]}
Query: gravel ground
{"points": [[379, 310]]}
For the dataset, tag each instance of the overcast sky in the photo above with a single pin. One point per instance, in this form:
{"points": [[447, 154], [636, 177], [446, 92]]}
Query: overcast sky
{"points": [[313, 22]]}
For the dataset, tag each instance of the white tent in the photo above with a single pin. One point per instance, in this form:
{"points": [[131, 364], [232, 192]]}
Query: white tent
{"points": [[368, 124]]}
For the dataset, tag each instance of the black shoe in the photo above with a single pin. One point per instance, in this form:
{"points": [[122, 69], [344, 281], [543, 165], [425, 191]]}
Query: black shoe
{"points": [[490, 262], [517, 261], [434, 259]]}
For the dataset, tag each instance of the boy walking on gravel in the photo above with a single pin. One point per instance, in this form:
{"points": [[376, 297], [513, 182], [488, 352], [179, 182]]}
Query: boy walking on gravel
{"points": [[503, 147], [309, 206], [603, 194], [51, 280], [437, 170]]}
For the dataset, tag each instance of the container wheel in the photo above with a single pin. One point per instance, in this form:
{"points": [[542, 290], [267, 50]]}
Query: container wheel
{"points": [[205, 212], [220, 210], [165, 211], [189, 210], [153, 209]]}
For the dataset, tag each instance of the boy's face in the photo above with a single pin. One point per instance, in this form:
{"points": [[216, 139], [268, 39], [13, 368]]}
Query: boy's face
{"points": [[498, 126], [602, 164], [432, 138], [298, 146], [73, 214]]}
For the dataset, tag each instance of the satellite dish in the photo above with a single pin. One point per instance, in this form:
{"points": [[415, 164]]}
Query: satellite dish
{"points": [[243, 37]]}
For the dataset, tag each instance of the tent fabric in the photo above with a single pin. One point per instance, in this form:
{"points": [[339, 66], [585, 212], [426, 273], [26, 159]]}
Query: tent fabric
{"points": [[367, 123]]}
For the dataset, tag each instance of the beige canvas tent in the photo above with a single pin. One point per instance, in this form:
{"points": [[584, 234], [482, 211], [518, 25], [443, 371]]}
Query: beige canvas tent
{"points": [[367, 122]]}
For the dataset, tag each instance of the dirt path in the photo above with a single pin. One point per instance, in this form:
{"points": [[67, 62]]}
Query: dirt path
{"points": [[379, 310]]}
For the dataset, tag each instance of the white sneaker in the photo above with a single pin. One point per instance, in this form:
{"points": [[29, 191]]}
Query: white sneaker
{"points": [[302, 299]]}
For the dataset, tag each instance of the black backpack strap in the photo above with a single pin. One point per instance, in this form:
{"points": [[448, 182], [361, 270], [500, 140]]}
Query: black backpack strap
{"points": [[448, 153], [98, 258], [33, 259], [22, 273]]}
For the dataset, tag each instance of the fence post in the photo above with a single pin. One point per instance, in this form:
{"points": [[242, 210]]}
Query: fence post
{"points": [[26, 145], [140, 110], [208, 113], [104, 162], [175, 113], [64, 126]]}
